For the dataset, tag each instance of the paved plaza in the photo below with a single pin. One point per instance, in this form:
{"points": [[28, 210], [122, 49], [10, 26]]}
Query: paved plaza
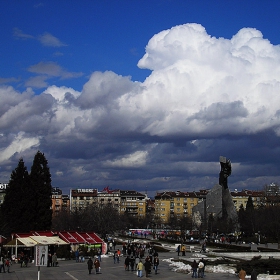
{"points": [[70, 270]]}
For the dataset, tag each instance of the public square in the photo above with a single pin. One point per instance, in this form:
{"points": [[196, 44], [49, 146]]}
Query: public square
{"points": [[71, 269]]}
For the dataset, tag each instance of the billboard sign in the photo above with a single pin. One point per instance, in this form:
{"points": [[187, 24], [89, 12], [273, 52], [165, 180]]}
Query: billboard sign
{"points": [[41, 255]]}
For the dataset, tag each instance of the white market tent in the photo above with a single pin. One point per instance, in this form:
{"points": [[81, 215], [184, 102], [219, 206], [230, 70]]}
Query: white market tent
{"points": [[32, 241]]}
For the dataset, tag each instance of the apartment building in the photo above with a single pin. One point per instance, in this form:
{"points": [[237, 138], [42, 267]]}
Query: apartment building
{"points": [[112, 197], [81, 198], [60, 202], [2, 192], [171, 204], [241, 198], [133, 203]]}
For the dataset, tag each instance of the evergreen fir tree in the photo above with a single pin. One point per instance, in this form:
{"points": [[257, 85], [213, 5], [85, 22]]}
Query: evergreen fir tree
{"points": [[40, 179], [16, 205]]}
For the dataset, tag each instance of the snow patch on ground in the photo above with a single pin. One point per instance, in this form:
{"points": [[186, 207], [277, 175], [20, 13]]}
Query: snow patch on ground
{"points": [[186, 268]]}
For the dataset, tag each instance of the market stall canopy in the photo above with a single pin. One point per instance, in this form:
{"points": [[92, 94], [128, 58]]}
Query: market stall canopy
{"points": [[61, 237], [34, 240], [88, 238], [48, 240], [80, 238], [21, 241]]}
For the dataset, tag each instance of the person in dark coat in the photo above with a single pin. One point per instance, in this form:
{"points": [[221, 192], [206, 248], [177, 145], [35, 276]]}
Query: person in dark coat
{"points": [[156, 263], [126, 263], [254, 275], [132, 263], [90, 265], [148, 267], [194, 269], [178, 249], [97, 265]]}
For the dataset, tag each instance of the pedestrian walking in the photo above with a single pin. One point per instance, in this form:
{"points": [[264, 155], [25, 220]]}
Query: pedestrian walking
{"points": [[148, 267], [97, 266], [126, 263], [183, 250], [242, 274], [2, 264], [156, 263], [132, 263], [8, 263], [90, 265], [54, 260], [194, 269], [99, 253], [140, 269], [200, 269], [178, 250], [254, 275]]}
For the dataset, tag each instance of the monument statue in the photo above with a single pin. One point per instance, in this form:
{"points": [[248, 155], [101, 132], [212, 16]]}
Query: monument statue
{"points": [[225, 171], [218, 201]]}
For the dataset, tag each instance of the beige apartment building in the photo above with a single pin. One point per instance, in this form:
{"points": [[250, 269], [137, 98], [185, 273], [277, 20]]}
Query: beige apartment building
{"points": [[171, 204]]}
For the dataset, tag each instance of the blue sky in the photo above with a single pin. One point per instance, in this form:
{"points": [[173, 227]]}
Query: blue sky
{"points": [[141, 94]]}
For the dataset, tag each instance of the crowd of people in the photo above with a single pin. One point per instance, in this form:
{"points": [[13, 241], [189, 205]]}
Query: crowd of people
{"points": [[138, 257]]}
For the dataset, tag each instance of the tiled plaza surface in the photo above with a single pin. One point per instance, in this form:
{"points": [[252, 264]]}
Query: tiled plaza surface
{"points": [[70, 270]]}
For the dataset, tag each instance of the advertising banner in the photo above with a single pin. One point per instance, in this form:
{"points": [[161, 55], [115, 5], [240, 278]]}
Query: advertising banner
{"points": [[41, 255]]}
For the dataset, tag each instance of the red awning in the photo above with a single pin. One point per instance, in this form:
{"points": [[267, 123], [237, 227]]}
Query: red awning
{"points": [[95, 237], [66, 236], [43, 233], [23, 235], [71, 237], [77, 236], [88, 238]]}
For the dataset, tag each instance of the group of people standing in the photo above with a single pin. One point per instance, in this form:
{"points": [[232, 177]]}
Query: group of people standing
{"points": [[198, 268], [52, 260], [5, 262], [182, 249], [242, 274], [137, 264], [95, 263]]}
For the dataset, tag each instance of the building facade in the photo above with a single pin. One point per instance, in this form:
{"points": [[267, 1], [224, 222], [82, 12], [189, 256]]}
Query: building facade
{"points": [[241, 198], [112, 197], [174, 204], [2, 192], [80, 199], [60, 202], [133, 204]]}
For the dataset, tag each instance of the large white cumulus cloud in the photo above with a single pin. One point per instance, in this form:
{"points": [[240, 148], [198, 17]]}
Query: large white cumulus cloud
{"points": [[201, 88], [205, 84]]}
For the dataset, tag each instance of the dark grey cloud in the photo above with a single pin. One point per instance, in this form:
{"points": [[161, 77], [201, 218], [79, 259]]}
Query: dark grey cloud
{"points": [[213, 97]]}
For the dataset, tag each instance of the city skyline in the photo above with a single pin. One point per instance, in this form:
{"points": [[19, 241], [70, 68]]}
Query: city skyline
{"points": [[141, 95]]}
